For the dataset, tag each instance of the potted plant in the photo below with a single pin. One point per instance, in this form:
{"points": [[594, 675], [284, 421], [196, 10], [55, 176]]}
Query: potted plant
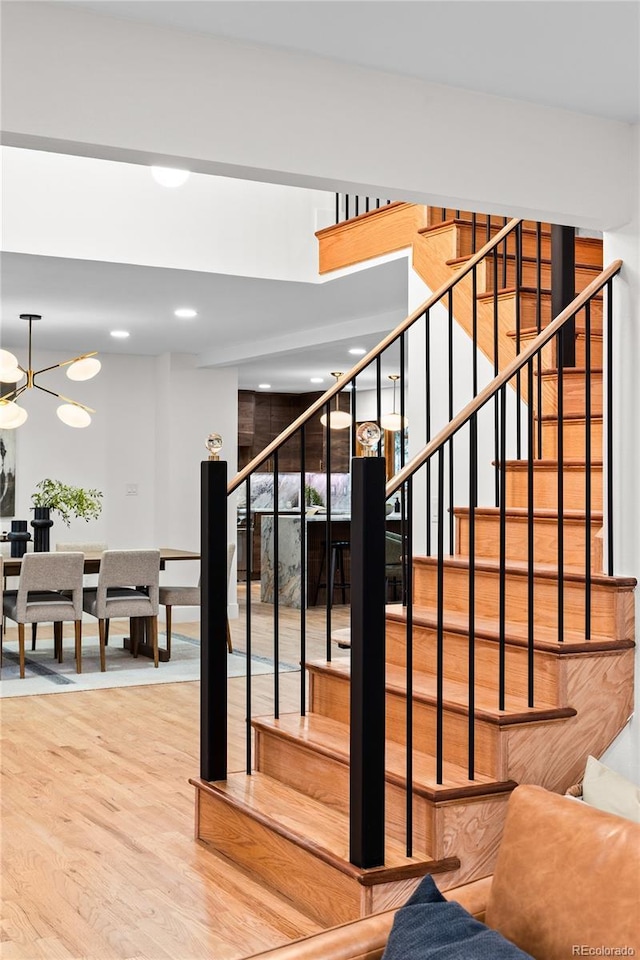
{"points": [[53, 495]]}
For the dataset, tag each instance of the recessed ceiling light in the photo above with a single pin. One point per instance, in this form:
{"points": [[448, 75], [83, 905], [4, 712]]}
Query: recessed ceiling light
{"points": [[120, 334], [264, 386], [357, 351], [316, 379], [185, 313], [169, 176]]}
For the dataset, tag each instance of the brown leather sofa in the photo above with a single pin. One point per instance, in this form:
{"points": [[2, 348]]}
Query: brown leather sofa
{"points": [[566, 884]]}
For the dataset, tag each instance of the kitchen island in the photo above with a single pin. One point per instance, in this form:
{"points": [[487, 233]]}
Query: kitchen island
{"points": [[289, 549]]}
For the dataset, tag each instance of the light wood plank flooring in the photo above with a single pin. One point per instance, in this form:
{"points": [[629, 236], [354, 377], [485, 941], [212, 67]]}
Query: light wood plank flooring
{"points": [[98, 855]]}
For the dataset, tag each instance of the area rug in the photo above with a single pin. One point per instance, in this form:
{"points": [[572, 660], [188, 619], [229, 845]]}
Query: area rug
{"points": [[43, 674]]}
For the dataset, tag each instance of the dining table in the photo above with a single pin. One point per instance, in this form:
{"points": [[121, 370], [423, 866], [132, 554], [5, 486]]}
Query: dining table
{"points": [[138, 641]]}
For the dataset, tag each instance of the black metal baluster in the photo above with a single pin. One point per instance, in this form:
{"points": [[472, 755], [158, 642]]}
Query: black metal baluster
{"points": [[366, 204], [408, 593], [560, 466], [440, 620], [496, 410], [503, 546], [428, 422], [474, 330], [353, 417], [610, 428], [530, 536], [379, 403], [450, 442], [248, 650], [539, 328], [337, 208], [346, 206], [377, 203], [518, 242], [276, 589], [587, 457], [327, 538], [357, 204], [505, 221], [473, 232], [403, 347], [488, 225], [303, 574], [473, 497]]}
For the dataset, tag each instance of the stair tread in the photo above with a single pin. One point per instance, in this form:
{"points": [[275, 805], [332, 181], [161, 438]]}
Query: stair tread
{"points": [[519, 568], [301, 818], [567, 371], [528, 291], [455, 261], [523, 513], [551, 464], [332, 737], [533, 331], [481, 225], [546, 637], [579, 417], [455, 694]]}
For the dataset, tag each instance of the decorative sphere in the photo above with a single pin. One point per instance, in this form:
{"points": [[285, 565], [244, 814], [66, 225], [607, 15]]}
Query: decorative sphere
{"points": [[213, 444], [368, 435]]}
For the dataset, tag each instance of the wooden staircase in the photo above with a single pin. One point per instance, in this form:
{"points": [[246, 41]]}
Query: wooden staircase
{"points": [[287, 823]]}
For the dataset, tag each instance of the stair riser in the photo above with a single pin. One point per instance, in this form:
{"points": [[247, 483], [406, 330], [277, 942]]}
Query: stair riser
{"points": [[573, 438], [279, 862], [545, 539], [586, 250], [573, 394], [529, 276], [549, 351], [545, 487], [326, 778], [529, 311], [611, 607], [486, 660], [329, 696]]}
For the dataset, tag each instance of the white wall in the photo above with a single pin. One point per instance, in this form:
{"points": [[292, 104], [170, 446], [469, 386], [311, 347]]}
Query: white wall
{"points": [[120, 89], [152, 417], [65, 206]]}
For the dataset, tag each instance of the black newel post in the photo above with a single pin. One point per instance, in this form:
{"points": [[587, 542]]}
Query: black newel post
{"points": [[563, 285], [41, 524], [213, 621], [367, 767]]}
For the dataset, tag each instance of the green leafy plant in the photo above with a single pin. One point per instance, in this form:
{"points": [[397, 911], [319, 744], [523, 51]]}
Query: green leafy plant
{"points": [[68, 501], [312, 498]]}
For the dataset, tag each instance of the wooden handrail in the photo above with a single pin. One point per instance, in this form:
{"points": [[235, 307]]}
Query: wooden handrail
{"points": [[328, 395], [509, 371]]}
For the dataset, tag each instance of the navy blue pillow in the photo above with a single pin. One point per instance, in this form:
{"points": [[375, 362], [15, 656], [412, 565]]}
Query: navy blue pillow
{"points": [[430, 926]]}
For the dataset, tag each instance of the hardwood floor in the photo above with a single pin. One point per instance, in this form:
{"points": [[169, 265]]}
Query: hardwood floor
{"points": [[98, 855]]}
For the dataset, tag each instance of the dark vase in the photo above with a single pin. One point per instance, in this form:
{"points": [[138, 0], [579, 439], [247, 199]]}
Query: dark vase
{"points": [[19, 537], [41, 524]]}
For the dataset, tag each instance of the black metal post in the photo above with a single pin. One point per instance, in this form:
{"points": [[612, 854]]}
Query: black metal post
{"points": [[367, 770], [213, 620], [563, 285]]}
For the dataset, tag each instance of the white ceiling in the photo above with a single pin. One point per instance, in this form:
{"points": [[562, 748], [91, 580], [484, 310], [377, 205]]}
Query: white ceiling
{"points": [[581, 55], [81, 301]]}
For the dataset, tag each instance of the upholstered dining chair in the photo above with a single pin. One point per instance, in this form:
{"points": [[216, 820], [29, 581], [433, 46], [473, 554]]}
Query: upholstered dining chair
{"points": [[88, 546], [49, 590], [190, 597], [127, 587]]}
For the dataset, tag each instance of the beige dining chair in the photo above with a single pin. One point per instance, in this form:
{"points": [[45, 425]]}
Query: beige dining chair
{"points": [[127, 587], [73, 546], [49, 591], [190, 597]]}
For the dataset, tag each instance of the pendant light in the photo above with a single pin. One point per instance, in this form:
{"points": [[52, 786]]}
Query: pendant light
{"points": [[338, 419], [393, 421], [71, 412]]}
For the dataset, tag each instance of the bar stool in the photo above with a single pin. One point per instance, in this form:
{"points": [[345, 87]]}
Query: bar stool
{"points": [[338, 548]]}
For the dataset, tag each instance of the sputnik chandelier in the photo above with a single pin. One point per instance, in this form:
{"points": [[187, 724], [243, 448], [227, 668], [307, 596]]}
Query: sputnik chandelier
{"points": [[71, 412]]}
